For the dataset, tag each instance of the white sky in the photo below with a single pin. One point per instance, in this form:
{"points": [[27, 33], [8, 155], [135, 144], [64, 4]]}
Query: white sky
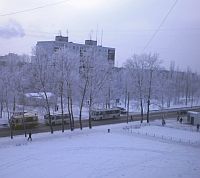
{"points": [[127, 25]]}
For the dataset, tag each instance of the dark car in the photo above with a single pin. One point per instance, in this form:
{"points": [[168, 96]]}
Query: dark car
{"points": [[122, 110]]}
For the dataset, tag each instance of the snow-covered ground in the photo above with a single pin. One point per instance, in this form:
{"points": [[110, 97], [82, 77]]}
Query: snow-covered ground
{"points": [[96, 153]]}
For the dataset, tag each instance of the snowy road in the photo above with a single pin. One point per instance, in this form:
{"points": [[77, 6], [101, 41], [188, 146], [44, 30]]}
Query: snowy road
{"points": [[43, 128]]}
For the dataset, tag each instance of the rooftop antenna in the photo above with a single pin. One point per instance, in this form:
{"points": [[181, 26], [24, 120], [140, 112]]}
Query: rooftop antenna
{"points": [[60, 33], [101, 36], [97, 29], [67, 33], [91, 33]]}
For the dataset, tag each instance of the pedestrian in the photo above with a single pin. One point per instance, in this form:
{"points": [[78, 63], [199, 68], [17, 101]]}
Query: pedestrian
{"points": [[108, 130], [131, 118], [197, 127], [163, 122], [181, 120], [29, 136], [178, 118]]}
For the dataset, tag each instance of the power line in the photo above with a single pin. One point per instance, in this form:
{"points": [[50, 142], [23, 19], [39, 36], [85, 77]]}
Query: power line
{"points": [[161, 24], [33, 9], [121, 31]]}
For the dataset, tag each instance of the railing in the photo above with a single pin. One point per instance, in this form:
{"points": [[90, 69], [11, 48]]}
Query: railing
{"points": [[134, 129]]}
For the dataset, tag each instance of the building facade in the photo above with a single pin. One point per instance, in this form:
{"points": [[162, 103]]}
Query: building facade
{"points": [[81, 51], [193, 117]]}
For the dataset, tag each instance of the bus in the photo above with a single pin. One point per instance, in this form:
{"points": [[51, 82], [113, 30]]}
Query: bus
{"points": [[56, 119], [23, 121], [113, 113]]}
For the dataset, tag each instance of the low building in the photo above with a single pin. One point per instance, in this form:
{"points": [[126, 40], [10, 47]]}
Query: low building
{"points": [[37, 99], [193, 117]]}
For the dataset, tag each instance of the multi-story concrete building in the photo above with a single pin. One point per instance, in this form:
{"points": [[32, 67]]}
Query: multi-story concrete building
{"points": [[89, 49]]}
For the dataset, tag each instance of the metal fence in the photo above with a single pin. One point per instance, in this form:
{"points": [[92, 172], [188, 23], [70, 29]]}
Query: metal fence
{"points": [[134, 129]]}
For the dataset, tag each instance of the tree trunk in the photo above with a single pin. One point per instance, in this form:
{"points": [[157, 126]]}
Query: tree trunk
{"points": [[186, 95], [61, 102], [109, 97], [1, 109], [90, 105], [148, 104], [71, 109], [69, 105], [24, 123], [125, 99], [141, 110], [127, 116], [48, 112], [10, 121], [14, 105], [70, 118], [81, 106], [149, 95]]}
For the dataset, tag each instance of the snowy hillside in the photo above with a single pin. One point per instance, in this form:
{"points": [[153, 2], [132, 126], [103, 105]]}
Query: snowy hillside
{"points": [[98, 154]]}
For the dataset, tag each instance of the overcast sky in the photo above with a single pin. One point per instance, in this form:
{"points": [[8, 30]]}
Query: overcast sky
{"points": [[127, 26]]}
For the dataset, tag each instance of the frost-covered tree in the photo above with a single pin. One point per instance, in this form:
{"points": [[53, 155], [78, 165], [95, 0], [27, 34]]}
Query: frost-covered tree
{"points": [[9, 80], [141, 69], [21, 88], [98, 75], [66, 65], [136, 69], [43, 72], [152, 64]]}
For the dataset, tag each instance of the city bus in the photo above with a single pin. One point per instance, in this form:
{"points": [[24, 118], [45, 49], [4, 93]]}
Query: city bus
{"points": [[56, 119], [23, 121], [98, 114]]}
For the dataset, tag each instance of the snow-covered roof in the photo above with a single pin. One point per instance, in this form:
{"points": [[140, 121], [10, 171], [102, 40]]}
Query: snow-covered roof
{"points": [[111, 109], [39, 95], [193, 112]]}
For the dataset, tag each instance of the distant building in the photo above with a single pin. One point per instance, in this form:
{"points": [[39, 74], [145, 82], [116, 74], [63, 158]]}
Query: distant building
{"points": [[89, 49], [12, 58], [37, 99]]}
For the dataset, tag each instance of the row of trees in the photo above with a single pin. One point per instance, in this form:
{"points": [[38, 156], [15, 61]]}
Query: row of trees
{"points": [[153, 85], [87, 82]]}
